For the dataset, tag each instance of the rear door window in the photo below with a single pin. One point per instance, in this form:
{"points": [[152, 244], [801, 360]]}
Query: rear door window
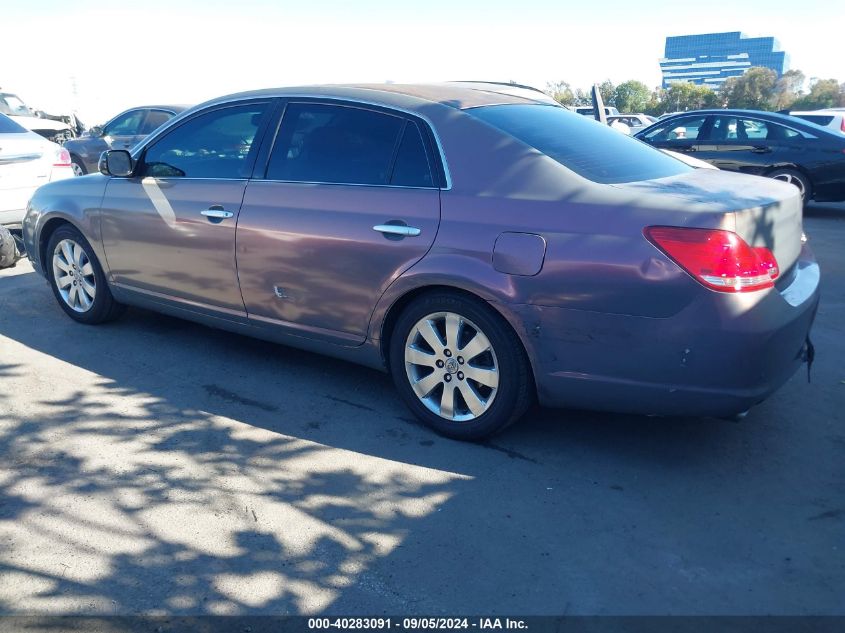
{"points": [[411, 168], [340, 144], [592, 150], [155, 119]]}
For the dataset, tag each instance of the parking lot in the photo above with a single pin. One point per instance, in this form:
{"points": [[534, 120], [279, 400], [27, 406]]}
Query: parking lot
{"points": [[156, 466]]}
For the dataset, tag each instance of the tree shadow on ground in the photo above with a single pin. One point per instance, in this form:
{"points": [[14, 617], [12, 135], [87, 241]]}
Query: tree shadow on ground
{"points": [[163, 467]]}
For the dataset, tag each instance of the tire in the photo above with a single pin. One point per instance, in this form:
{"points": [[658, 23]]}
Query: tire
{"points": [[9, 251], [421, 357], [796, 178], [77, 166], [82, 291]]}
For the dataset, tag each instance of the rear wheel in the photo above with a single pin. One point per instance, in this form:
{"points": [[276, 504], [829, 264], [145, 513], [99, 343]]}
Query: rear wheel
{"points": [[77, 279], [77, 166], [796, 178], [459, 367]]}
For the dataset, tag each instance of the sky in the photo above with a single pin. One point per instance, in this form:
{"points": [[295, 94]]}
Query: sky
{"points": [[100, 59]]}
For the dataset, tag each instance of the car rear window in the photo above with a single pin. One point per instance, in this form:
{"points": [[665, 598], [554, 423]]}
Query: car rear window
{"points": [[818, 119], [7, 126], [592, 150]]}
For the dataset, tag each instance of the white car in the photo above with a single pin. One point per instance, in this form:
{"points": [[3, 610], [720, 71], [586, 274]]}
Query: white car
{"points": [[27, 161], [833, 119], [56, 131], [635, 122]]}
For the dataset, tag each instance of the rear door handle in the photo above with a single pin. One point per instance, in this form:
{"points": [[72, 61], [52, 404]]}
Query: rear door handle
{"points": [[397, 229], [761, 150], [218, 213]]}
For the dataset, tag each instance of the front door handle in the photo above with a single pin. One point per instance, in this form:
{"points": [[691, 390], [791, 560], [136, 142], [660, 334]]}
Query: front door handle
{"points": [[397, 229], [218, 213], [761, 150]]}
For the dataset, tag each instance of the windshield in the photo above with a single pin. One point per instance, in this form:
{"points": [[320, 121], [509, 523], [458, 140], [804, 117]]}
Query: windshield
{"points": [[592, 150], [11, 104]]}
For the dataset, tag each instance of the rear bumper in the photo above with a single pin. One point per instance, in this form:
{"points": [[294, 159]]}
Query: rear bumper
{"points": [[719, 356]]}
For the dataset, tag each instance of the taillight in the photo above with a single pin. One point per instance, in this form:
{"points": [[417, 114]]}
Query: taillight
{"points": [[62, 158], [842, 124], [720, 260]]}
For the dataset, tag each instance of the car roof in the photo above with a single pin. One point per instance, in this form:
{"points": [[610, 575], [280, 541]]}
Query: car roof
{"points": [[459, 95], [179, 107]]}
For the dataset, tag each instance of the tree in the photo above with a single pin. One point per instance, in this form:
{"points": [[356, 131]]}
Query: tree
{"points": [[824, 93], [682, 96], [561, 92], [753, 90], [787, 89], [632, 96], [583, 97], [608, 92]]}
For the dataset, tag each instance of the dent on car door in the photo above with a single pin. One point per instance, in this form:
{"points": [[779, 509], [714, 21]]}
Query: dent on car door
{"points": [[169, 231], [350, 200]]}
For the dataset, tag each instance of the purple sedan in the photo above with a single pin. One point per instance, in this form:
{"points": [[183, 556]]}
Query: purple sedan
{"points": [[485, 246]]}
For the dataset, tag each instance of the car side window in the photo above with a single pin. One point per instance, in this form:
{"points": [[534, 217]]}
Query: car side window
{"points": [[155, 119], [752, 129], [677, 130], [724, 128], [411, 168], [769, 131], [337, 144], [126, 124], [215, 144]]}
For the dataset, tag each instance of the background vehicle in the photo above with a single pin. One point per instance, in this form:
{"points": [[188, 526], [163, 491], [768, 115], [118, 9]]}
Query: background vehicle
{"points": [[483, 248], [27, 161], [55, 129], [761, 143], [590, 110], [831, 119], [122, 132], [635, 122]]}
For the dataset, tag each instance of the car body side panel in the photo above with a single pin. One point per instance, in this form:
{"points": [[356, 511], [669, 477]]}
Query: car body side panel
{"points": [[309, 258], [76, 201], [157, 240]]}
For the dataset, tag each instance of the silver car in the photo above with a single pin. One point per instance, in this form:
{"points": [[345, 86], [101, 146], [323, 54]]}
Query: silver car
{"points": [[124, 131]]}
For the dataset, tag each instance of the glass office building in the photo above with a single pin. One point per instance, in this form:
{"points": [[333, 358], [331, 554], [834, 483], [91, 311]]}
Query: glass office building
{"points": [[711, 58]]}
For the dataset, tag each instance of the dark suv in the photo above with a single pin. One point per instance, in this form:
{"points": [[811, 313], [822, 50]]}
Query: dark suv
{"points": [[123, 132]]}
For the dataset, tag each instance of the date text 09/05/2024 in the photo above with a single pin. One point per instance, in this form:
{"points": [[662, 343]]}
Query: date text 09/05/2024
{"points": [[417, 623]]}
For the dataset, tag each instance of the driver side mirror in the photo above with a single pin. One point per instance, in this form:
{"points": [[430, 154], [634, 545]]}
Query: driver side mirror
{"points": [[96, 131], [116, 162]]}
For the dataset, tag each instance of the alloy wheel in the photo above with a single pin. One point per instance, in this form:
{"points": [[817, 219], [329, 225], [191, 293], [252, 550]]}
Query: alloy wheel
{"points": [[792, 180], [451, 366], [74, 275]]}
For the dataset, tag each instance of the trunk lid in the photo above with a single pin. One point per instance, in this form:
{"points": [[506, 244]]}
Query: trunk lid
{"points": [[762, 211]]}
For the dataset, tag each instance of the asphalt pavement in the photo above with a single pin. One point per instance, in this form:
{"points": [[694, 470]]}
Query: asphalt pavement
{"points": [[160, 467]]}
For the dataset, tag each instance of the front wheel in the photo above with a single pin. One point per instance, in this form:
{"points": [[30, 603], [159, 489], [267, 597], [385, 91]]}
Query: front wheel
{"points": [[77, 279], [459, 367]]}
